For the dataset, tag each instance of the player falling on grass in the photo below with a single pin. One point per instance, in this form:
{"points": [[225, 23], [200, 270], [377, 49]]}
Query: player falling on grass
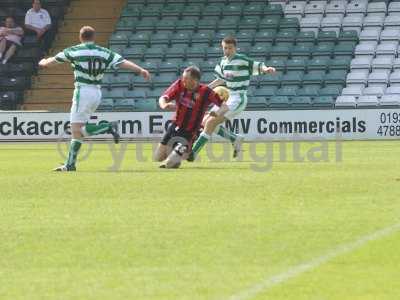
{"points": [[234, 71], [190, 99], [89, 62]]}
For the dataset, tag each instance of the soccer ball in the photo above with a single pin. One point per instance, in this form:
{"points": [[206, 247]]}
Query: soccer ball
{"points": [[222, 92]]}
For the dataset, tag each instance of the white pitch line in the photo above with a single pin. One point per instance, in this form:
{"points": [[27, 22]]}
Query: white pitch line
{"points": [[294, 271]]}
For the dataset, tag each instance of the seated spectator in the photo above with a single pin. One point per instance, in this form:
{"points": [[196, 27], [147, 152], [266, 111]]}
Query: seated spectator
{"points": [[38, 21], [10, 39]]}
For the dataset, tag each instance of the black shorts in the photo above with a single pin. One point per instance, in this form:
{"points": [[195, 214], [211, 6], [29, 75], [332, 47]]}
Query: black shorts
{"points": [[176, 135]]}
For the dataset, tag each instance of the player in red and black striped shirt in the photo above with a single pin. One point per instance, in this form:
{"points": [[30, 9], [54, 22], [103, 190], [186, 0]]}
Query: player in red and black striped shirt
{"points": [[190, 99]]}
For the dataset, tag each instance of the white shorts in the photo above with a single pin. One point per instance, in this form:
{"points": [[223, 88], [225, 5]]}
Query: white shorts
{"points": [[236, 102], [84, 103]]}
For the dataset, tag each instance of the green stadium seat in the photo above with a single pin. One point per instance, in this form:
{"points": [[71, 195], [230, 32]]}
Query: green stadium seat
{"points": [[157, 51], [270, 79], [161, 38], [192, 10], [278, 64], [155, 93], [135, 94], [265, 91], [203, 37], [152, 11], [269, 23], [207, 77], [253, 10], [320, 63], [164, 79], [139, 81], [214, 52], [288, 90], [208, 23], [152, 67], [266, 36], [336, 77], [119, 80], [314, 77], [323, 102], [260, 49], [230, 23], [257, 103], [309, 90], [323, 49], [168, 67], [289, 23], [345, 48], [187, 24], [331, 90], [340, 63], [126, 24], [232, 10], [196, 52], [119, 38], [327, 36], [146, 105], [286, 36], [305, 37], [132, 11], [301, 102], [182, 37], [134, 53], [273, 10], [115, 93], [302, 50], [281, 49], [124, 105], [206, 66], [296, 64], [142, 38], [245, 35], [106, 104], [172, 10], [176, 51], [292, 77], [213, 10], [348, 36], [250, 22], [147, 24], [278, 102], [166, 24]]}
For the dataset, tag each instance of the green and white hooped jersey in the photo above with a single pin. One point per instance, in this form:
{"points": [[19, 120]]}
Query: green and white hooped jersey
{"points": [[237, 71], [89, 62]]}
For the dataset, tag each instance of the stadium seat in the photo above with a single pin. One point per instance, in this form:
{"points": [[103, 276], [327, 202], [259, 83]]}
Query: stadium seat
{"points": [[325, 101], [314, 77], [361, 62], [300, 102], [374, 91], [390, 100], [382, 62], [278, 102], [357, 76], [124, 105], [346, 102], [107, 104], [367, 101]]}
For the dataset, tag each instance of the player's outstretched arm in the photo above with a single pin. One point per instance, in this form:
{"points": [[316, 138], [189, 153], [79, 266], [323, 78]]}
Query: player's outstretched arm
{"points": [[266, 70], [48, 62], [216, 83], [222, 110], [128, 65], [165, 104]]}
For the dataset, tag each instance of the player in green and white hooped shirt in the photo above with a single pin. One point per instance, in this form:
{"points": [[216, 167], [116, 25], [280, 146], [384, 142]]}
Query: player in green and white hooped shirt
{"points": [[234, 71], [89, 62]]}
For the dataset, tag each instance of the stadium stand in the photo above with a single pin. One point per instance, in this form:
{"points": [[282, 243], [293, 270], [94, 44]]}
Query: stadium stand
{"points": [[328, 53], [52, 89], [15, 76]]}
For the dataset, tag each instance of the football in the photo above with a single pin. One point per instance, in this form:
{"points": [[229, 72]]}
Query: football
{"points": [[222, 92]]}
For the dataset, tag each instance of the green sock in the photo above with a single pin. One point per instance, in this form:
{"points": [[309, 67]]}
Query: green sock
{"points": [[226, 134], [73, 152], [199, 143], [94, 129]]}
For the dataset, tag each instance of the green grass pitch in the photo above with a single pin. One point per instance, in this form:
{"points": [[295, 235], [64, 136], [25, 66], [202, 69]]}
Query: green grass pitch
{"points": [[210, 230]]}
